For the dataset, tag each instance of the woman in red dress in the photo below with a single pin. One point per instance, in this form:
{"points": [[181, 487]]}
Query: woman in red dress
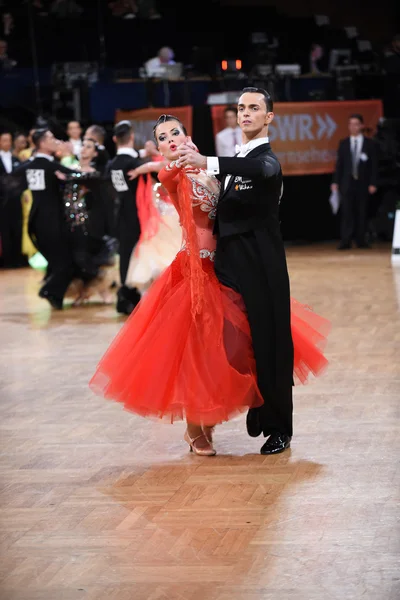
{"points": [[186, 352]]}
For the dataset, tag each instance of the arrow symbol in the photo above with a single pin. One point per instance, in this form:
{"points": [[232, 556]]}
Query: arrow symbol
{"points": [[327, 126], [322, 127], [331, 126]]}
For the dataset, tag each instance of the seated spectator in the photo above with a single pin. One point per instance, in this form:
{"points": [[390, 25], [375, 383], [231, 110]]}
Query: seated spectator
{"points": [[65, 8], [392, 57], [316, 54], [6, 63], [148, 10], [154, 67], [125, 9]]}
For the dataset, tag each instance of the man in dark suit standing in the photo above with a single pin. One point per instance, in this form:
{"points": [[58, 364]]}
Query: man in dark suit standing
{"points": [[250, 259], [355, 178], [10, 208], [128, 226]]}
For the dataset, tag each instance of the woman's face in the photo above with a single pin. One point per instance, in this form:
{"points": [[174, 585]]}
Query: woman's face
{"points": [[20, 143], [169, 136], [88, 150]]}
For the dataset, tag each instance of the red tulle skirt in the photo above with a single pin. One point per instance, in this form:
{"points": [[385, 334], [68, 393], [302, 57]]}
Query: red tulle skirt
{"points": [[165, 364]]}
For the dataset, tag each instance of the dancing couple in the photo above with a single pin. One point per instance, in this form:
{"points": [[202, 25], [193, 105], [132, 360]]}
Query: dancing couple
{"points": [[217, 333]]}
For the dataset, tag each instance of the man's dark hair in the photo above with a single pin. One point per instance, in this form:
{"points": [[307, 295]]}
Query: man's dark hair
{"points": [[231, 109], [39, 135], [267, 97], [123, 131], [99, 131], [164, 119], [357, 116]]}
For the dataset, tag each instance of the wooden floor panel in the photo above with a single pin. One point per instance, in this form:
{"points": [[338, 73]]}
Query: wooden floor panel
{"points": [[99, 504]]}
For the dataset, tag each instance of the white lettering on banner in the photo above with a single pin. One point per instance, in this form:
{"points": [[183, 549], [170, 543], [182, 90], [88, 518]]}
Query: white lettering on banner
{"points": [[35, 179], [301, 127], [305, 124], [118, 180], [313, 155]]}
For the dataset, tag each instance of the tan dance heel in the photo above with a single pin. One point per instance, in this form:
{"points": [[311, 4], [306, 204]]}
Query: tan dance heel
{"points": [[199, 451], [208, 431]]}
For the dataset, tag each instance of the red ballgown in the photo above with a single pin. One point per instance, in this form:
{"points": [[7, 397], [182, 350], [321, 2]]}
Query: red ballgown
{"points": [[186, 352]]}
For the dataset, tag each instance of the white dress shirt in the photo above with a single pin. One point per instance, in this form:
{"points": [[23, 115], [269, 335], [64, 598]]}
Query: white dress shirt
{"points": [[6, 157], [155, 67], [130, 151], [360, 143], [244, 149], [359, 140], [227, 140], [76, 146]]}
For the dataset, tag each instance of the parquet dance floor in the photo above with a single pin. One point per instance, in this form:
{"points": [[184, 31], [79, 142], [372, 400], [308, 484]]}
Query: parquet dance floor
{"points": [[98, 504]]}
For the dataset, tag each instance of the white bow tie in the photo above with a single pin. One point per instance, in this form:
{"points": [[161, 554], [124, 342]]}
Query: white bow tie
{"points": [[243, 148]]}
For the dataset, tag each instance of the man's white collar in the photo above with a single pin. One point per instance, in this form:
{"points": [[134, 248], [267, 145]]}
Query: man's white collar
{"points": [[246, 148], [129, 151], [42, 155]]}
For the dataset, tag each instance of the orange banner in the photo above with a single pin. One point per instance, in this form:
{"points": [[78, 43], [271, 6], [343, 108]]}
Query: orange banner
{"points": [[144, 120], [306, 135]]}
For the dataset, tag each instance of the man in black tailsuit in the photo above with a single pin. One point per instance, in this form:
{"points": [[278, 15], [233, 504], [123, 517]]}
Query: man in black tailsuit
{"points": [[127, 226], [250, 259], [47, 226]]}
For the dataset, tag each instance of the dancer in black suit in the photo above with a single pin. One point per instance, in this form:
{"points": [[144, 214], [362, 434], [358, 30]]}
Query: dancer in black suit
{"points": [[250, 259], [128, 226], [355, 178], [47, 224]]}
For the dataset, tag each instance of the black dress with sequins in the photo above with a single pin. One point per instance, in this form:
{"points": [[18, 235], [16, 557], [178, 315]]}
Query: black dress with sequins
{"points": [[82, 195]]}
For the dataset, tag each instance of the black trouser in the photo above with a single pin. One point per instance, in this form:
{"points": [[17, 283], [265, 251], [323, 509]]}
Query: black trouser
{"points": [[128, 237], [245, 263], [52, 241], [11, 232], [354, 213]]}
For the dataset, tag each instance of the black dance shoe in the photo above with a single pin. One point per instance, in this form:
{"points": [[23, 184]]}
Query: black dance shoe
{"points": [[127, 300], [56, 303], [344, 247], [276, 443], [124, 306], [253, 422]]}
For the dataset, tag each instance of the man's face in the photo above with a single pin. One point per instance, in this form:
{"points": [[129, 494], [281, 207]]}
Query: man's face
{"points": [[253, 117], [165, 55], [230, 119], [150, 148], [19, 143], [355, 127], [6, 142], [49, 143], [74, 130]]}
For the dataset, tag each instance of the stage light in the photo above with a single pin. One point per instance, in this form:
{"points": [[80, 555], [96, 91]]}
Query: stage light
{"points": [[238, 64]]}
